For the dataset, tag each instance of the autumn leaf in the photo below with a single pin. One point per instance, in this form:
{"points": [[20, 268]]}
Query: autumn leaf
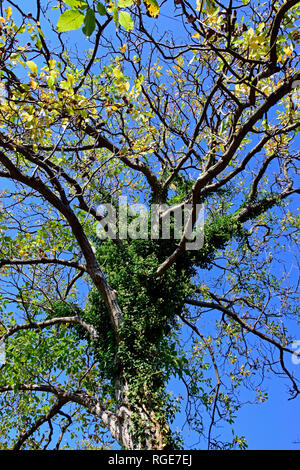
{"points": [[123, 48], [8, 12], [52, 63], [33, 84], [33, 67], [152, 7]]}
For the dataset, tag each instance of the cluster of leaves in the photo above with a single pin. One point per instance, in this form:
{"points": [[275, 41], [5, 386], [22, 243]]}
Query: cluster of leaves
{"points": [[83, 14]]}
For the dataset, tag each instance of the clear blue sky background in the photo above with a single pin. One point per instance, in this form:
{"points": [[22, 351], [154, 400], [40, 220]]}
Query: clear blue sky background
{"points": [[272, 425]]}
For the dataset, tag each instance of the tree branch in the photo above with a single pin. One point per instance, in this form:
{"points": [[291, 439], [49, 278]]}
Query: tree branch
{"points": [[240, 321], [35, 261], [51, 413], [109, 295], [53, 321], [114, 422]]}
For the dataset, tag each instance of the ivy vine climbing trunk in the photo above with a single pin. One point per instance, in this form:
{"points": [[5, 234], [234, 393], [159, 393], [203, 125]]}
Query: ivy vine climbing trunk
{"points": [[138, 427]]}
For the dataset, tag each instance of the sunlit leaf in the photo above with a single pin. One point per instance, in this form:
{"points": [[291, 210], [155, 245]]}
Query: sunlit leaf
{"points": [[70, 20], [33, 67], [152, 7], [76, 4], [115, 15], [33, 84], [125, 3], [125, 20], [8, 12]]}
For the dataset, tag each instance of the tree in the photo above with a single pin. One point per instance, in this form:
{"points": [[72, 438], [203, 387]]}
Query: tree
{"points": [[97, 316]]}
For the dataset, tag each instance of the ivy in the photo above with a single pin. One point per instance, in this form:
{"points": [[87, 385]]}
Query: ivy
{"points": [[145, 355]]}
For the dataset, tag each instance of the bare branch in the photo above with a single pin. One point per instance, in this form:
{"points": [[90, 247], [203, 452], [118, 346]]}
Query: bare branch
{"points": [[36, 261]]}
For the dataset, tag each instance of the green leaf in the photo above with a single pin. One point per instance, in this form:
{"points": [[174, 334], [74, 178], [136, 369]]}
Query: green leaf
{"points": [[101, 9], [74, 4], [115, 15], [38, 43], [89, 22], [69, 20], [125, 3], [65, 85], [125, 20], [51, 81]]}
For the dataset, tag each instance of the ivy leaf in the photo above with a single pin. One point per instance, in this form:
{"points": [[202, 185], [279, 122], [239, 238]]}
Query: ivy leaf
{"points": [[69, 20], [125, 20], [101, 9], [89, 22]]}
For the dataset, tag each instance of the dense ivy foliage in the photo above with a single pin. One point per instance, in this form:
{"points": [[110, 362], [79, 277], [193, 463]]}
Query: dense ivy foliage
{"points": [[150, 308], [146, 355]]}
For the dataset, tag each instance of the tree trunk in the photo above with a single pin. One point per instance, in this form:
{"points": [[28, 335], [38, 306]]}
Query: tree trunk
{"points": [[136, 427]]}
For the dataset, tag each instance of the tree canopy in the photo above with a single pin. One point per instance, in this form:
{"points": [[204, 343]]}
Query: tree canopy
{"points": [[115, 116]]}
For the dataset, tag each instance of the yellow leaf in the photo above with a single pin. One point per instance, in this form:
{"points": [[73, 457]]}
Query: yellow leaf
{"points": [[70, 79], [52, 63], [32, 65], [123, 48], [33, 84], [288, 50], [117, 72], [152, 7], [2, 20], [8, 12], [199, 5]]}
